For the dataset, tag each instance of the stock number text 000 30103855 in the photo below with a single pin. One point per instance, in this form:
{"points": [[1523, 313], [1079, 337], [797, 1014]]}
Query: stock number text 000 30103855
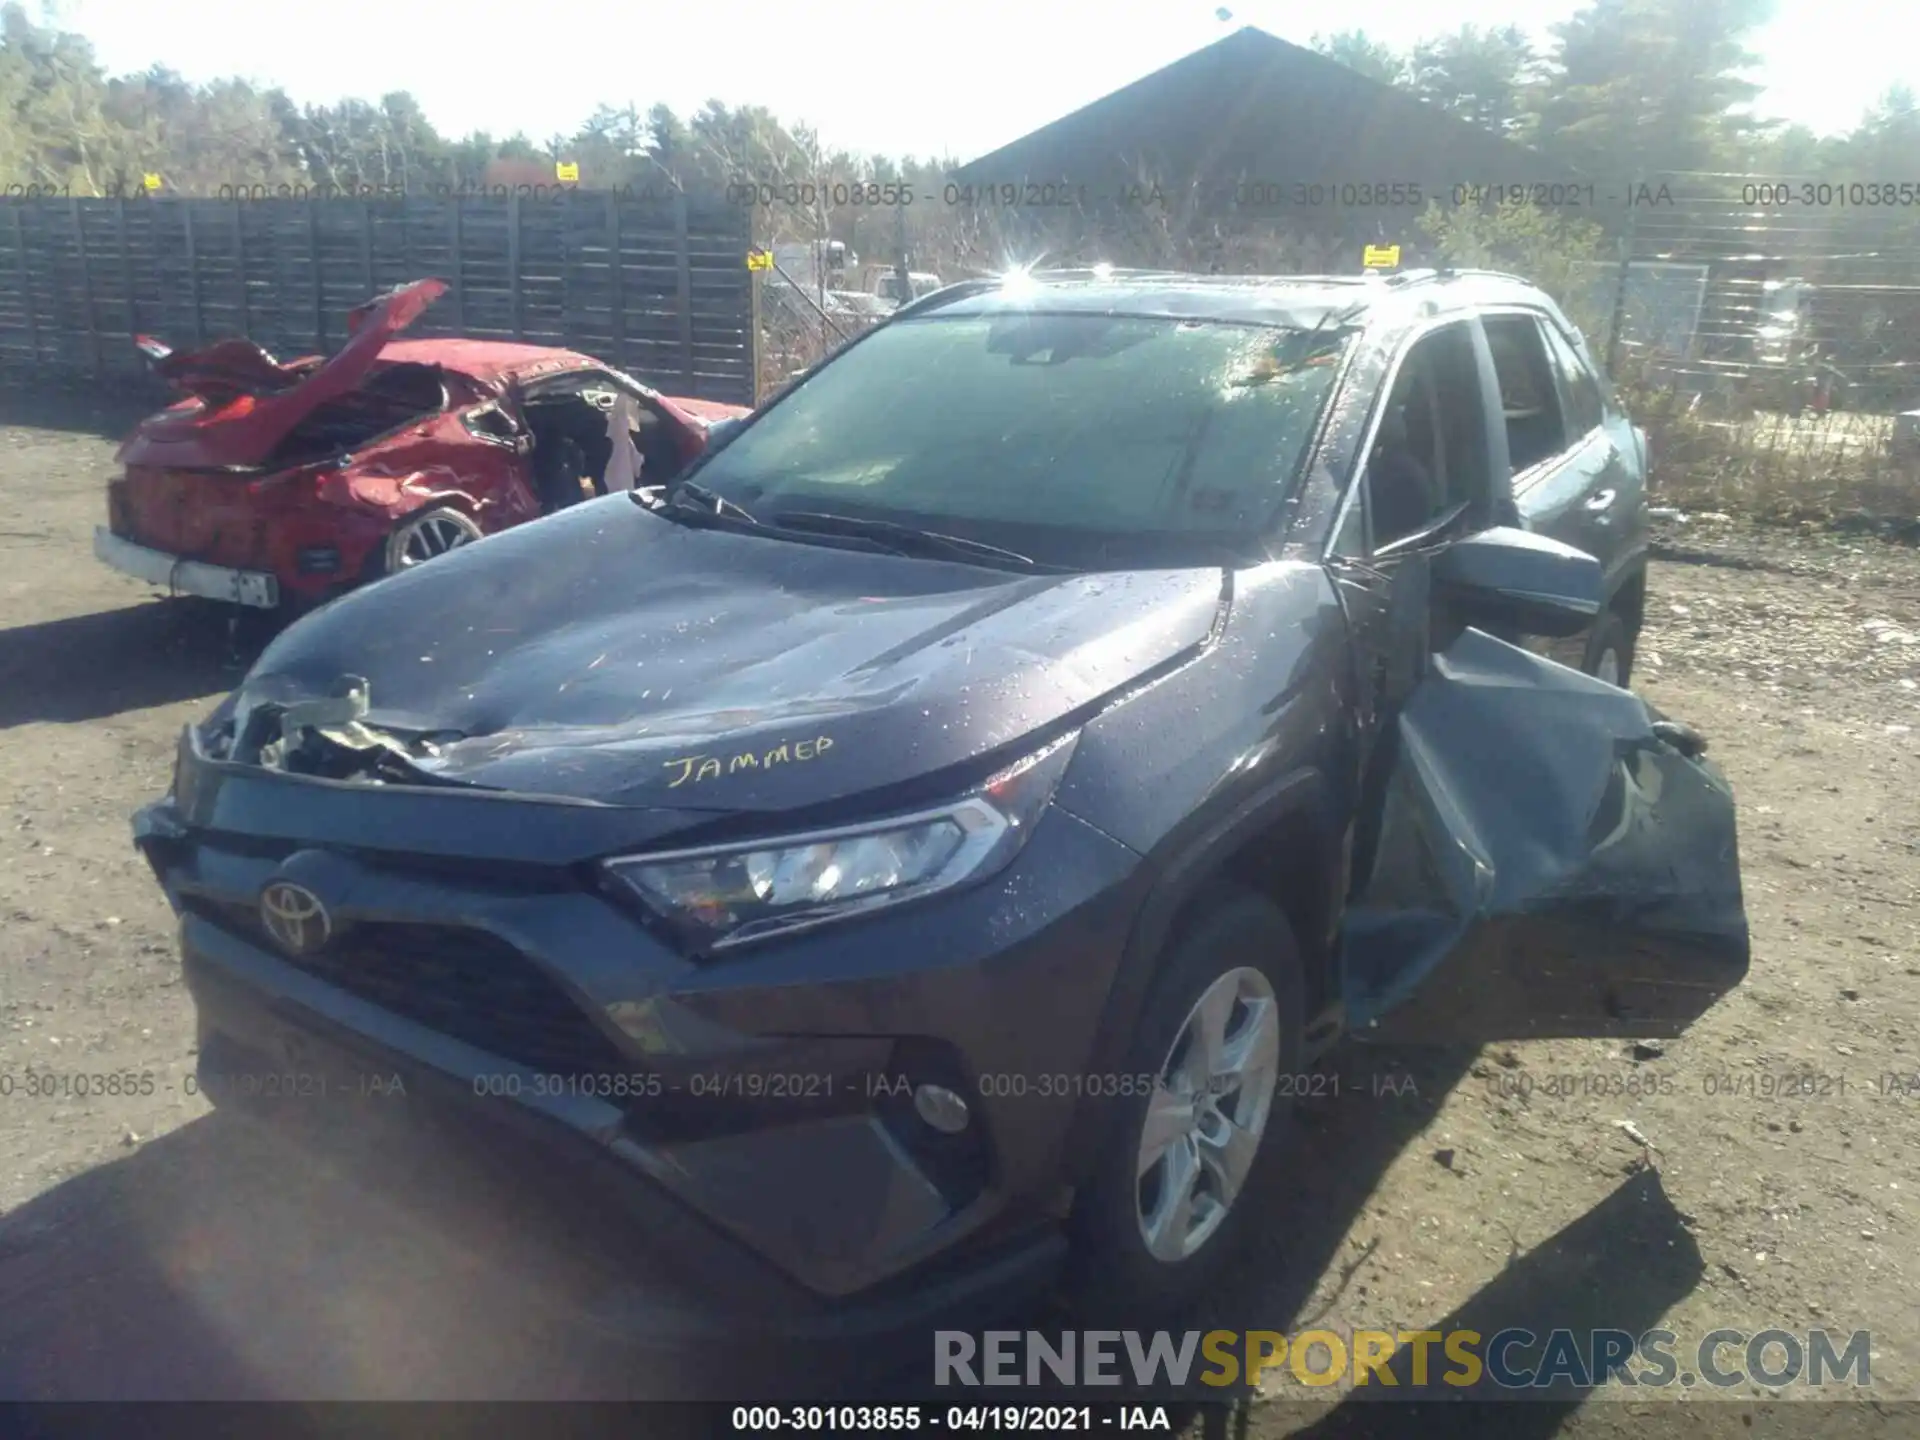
{"points": [[964, 1418]]}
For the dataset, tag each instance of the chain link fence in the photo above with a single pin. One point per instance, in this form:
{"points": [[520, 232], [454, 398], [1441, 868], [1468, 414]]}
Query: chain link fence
{"points": [[820, 291], [1766, 330]]}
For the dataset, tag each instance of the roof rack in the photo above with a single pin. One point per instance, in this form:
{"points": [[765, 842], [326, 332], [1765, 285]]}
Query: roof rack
{"points": [[1399, 280], [946, 295], [1106, 272], [1191, 277]]}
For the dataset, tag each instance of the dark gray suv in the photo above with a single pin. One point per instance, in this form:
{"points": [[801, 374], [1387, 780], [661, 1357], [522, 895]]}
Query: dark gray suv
{"points": [[909, 860]]}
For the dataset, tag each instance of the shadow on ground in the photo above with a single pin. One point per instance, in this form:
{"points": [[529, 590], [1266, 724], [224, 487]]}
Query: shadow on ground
{"points": [[225, 1261], [350, 1256], [1622, 1265], [349, 1253], [87, 667]]}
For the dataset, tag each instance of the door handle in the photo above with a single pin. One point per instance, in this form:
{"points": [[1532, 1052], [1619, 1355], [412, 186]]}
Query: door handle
{"points": [[1604, 500]]}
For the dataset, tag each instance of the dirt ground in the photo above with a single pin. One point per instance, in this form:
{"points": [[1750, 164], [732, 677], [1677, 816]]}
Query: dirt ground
{"points": [[150, 1248]]}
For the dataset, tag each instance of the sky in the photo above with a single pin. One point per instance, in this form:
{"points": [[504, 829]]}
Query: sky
{"points": [[905, 77]]}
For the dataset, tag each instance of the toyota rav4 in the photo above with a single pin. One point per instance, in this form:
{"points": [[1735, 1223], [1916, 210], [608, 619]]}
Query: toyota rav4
{"points": [[901, 857]]}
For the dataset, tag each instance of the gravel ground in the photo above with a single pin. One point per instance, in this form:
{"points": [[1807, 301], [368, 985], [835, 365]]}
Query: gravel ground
{"points": [[152, 1248]]}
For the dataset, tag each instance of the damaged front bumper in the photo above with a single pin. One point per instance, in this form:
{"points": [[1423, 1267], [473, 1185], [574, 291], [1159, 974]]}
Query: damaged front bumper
{"points": [[252, 588], [747, 1118], [680, 1297]]}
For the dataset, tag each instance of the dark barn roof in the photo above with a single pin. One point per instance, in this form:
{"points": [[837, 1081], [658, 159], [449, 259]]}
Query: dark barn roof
{"points": [[1253, 109]]}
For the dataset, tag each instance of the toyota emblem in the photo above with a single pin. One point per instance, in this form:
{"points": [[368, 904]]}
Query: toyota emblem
{"points": [[294, 918]]}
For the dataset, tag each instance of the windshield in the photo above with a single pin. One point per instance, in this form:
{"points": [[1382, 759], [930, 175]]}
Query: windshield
{"points": [[1081, 440]]}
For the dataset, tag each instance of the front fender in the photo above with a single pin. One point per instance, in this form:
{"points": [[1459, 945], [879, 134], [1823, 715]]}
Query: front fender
{"points": [[1299, 804]]}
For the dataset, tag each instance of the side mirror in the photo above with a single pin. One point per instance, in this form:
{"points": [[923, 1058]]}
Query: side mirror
{"points": [[1508, 579]]}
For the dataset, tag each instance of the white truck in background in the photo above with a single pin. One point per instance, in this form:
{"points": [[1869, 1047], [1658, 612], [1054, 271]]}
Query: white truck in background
{"points": [[822, 269], [884, 281]]}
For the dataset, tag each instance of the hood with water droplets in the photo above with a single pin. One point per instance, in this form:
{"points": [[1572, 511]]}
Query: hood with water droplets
{"points": [[609, 654]]}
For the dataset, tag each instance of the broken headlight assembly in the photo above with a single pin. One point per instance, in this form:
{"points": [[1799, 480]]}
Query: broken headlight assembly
{"points": [[724, 896]]}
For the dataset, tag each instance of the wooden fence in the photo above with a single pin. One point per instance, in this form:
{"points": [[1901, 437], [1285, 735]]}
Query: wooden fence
{"points": [[656, 287]]}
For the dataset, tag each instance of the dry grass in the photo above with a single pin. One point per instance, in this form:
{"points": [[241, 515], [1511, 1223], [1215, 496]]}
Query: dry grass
{"points": [[1774, 467]]}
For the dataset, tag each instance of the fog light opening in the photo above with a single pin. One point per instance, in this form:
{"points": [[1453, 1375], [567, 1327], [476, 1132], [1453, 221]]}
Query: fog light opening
{"points": [[941, 1108]]}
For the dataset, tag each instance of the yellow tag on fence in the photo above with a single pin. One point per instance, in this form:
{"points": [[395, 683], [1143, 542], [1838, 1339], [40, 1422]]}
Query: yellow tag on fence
{"points": [[566, 170], [150, 182], [1381, 256], [759, 260]]}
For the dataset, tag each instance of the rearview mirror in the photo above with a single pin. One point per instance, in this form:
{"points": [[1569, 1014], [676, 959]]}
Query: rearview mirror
{"points": [[1508, 579]]}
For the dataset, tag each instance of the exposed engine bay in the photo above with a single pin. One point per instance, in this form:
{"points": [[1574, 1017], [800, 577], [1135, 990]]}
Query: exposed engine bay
{"points": [[327, 738]]}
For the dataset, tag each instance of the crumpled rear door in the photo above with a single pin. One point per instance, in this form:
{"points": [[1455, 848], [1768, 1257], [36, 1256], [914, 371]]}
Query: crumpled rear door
{"points": [[1551, 862]]}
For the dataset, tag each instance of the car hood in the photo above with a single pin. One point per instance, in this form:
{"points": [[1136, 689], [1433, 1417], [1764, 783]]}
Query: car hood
{"points": [[608, 654], [248, 401]]}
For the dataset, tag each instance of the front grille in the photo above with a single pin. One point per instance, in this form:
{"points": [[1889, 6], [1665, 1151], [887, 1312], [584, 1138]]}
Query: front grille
{"points": [[462, 982]]}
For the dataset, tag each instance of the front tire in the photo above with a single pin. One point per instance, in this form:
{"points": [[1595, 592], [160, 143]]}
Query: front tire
{"points": [[1180, 1181]]}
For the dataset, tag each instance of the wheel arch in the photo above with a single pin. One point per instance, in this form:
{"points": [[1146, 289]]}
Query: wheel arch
{"points": [[376, 564], [1285, 841]]}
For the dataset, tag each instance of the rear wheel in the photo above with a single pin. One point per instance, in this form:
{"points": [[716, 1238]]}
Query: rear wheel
{"points": [[1180, 1181], [427, 535]]}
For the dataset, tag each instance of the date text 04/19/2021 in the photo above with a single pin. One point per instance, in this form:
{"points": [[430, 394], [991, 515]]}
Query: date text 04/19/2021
{"points": [[1308, 1085], [882, 1419], [1708, 1085]]}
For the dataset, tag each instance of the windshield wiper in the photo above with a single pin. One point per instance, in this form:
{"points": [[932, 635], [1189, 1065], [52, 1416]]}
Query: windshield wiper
{"points": [[694, 501], [907, 539]]}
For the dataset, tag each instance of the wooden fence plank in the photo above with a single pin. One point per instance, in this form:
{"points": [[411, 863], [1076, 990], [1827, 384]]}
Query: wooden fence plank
{"points": [[683, 266], [617, 300], [86, 290], [513, 259], [25, 276], [126, 263], [319, 288], [193, 274], [240, 264]]}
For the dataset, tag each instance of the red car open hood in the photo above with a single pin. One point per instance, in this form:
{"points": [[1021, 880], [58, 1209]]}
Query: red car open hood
{"points": [[249, 400]]}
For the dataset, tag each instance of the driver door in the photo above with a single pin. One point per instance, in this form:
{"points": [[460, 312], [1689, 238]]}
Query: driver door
{"points": [[1535, 852]]}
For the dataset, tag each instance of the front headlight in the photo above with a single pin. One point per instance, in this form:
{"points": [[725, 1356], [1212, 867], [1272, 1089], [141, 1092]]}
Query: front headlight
{"points": [[727, 895]]}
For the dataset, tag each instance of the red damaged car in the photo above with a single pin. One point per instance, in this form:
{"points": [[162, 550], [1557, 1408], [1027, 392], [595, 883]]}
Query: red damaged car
{"points": [[283, 484]]}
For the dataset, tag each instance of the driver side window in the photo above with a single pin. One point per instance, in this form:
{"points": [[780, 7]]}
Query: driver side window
{"points": [[1429, 453]]}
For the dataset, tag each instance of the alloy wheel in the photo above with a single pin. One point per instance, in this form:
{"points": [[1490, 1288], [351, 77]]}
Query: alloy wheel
{"points": [[431, 535], [1207, 1114]]}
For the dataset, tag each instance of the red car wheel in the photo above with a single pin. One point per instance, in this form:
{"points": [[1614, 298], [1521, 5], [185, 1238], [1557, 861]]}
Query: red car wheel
{"points": [[420, 538]]}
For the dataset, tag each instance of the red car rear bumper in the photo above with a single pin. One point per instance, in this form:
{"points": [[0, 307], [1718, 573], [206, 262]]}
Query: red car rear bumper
{"points": [[311, 547]]}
